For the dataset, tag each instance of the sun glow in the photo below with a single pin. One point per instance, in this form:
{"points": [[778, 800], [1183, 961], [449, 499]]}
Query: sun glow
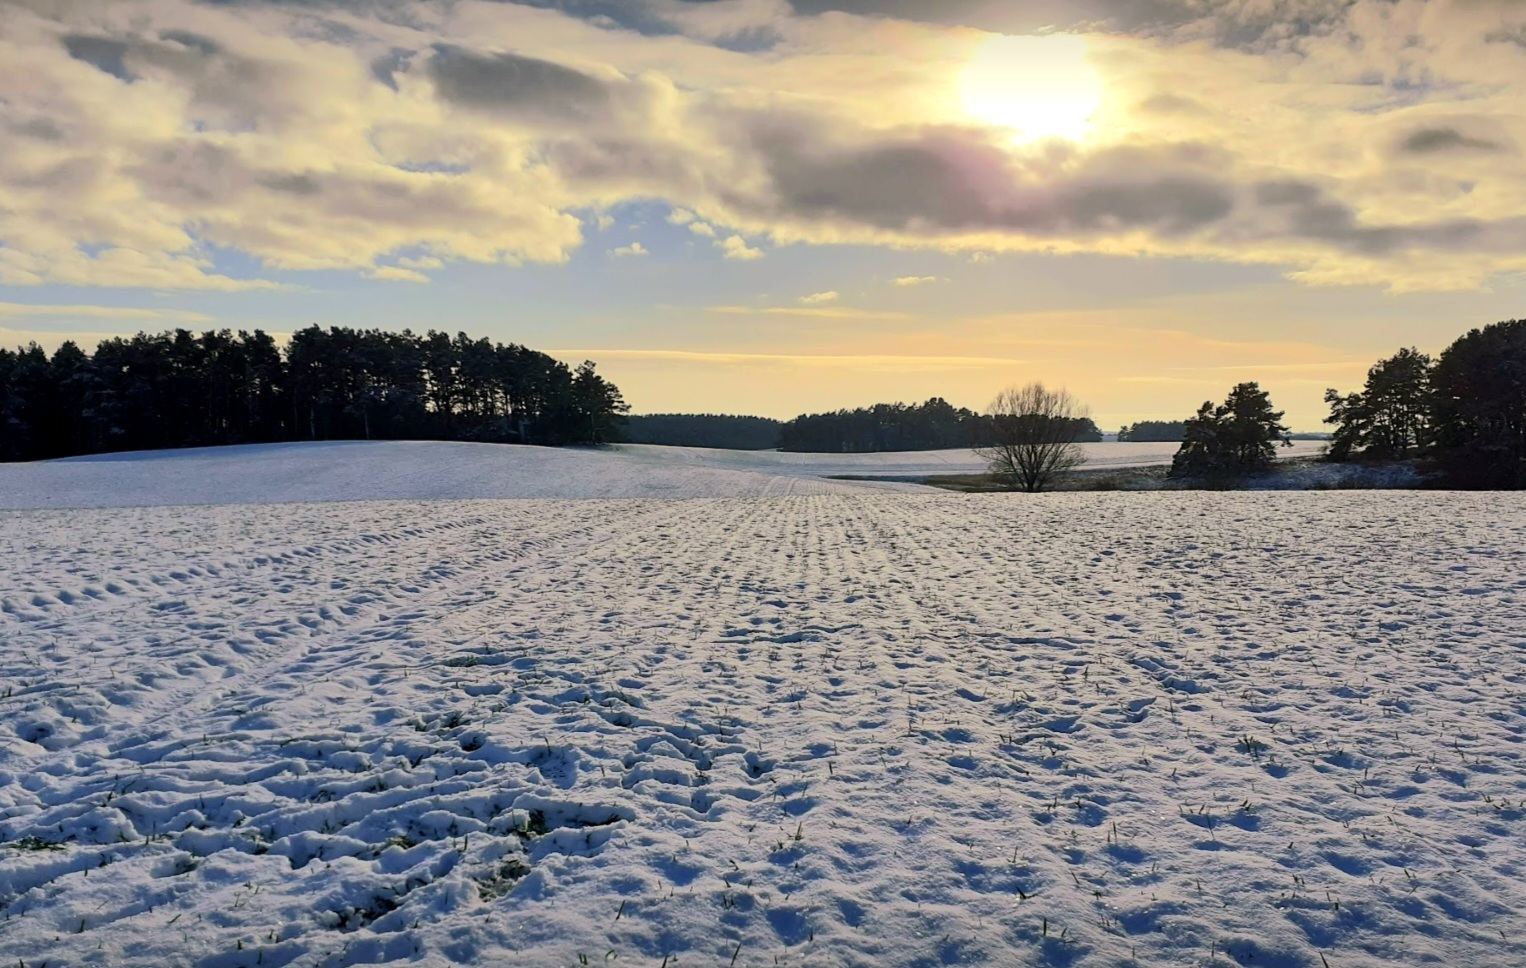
{"points": [[1039, 86]]}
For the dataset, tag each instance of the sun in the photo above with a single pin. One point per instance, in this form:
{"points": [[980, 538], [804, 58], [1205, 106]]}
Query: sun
{"points": [[1039, 86]]}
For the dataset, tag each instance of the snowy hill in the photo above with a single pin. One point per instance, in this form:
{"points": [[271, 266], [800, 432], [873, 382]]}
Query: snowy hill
{"points": [[375, 471]]}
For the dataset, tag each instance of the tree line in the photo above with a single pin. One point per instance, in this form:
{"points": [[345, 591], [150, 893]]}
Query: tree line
{"points": [[934, 425], [1464, 411], [1153, 431], [1463, 414], [181, 389], [703, 430]]}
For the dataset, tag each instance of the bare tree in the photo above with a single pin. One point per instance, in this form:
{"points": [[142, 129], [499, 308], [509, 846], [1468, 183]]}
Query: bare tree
{"points": [[1034, 432]]}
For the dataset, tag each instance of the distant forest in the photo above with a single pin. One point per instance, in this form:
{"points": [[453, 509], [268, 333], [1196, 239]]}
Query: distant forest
{"points": [[703, 430], [934, 425], [180, 389], [1154, 431]]}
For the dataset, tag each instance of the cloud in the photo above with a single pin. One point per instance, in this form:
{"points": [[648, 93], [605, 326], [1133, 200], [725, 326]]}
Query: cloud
{"points": [[908, 281], [515, 85], [1441, 139], [817, 298], [634, 250], [421, 262], [147, 139], [688, 219], [966, 183], [396, 274], [736, 247], [811, 312]]}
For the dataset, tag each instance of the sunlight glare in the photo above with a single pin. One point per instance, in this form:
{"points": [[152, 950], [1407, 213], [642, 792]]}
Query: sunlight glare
{"points": [[1039, 86]]}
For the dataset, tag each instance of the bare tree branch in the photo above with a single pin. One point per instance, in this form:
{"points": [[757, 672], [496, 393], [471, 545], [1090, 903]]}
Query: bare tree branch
{"points": [[1036, 429]]}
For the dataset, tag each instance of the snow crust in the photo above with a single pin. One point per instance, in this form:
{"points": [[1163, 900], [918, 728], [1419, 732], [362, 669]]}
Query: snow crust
{"points": [[876, 727]]}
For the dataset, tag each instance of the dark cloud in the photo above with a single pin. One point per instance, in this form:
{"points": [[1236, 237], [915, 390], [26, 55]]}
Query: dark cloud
{"points": [[1172, 104], [1231, 23], [636, 15], [387, 67], [292, 184], [1427, 141], [43, 129], [1311, 214], [957, 181], [1007, 16], [102, 53], [510, 83]]}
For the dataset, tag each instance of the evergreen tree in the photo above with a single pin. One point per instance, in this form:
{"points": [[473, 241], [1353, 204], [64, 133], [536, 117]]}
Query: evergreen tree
{"points": [[1237, 437], [1478, 407], [1153, 431], [1390, 417], [180, 389], [703, 430], [934, 425]]}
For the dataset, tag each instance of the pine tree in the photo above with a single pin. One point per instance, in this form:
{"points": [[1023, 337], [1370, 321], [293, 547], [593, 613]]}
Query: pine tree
{"points": [[1478, 407], [1390, 417], [1237, 437]]}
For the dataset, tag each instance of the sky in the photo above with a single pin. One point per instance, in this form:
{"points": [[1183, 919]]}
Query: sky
{"points": [[783, 206]]}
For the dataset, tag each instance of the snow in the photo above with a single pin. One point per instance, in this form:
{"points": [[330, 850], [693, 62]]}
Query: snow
{"points": [[425, 471], [873, 726], [374, 471], [912, 464]]}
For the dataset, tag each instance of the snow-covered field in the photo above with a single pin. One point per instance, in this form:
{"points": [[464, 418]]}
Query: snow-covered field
{"points": [[865, 726], [374, 471], [914, 464], [426, 471]]}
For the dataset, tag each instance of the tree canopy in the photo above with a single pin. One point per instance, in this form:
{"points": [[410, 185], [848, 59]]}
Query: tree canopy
{"points": [[1390, 417], [1034, 432], [934, 425], [1478, 407], [1153, 431], [1239, 436], [703, 430], [180, 389]]}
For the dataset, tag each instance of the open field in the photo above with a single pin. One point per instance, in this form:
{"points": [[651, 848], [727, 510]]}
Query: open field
{"points": [[804, 723], [911, 464], [358, 471]]}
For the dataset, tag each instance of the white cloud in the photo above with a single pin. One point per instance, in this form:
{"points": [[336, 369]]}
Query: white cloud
{"points": [[816, 298], [634, 250], [736, 247], [395, 274], [812, 312], [1381, 144], [421, 262], [908, 281]]}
